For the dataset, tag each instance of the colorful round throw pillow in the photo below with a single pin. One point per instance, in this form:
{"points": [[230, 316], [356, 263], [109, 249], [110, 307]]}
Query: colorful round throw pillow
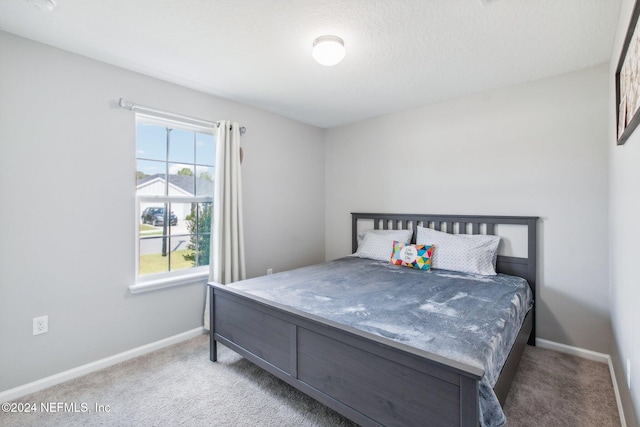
{"points": [[414, 256]]}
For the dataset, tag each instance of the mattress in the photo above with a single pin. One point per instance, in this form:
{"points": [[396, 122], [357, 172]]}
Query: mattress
{"points": [[464, 317]]}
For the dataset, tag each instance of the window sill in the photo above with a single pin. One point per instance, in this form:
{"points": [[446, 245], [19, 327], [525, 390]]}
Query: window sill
{"points": [[169, 282]]}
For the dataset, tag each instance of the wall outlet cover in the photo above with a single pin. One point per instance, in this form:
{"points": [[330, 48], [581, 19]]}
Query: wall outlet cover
{"points": [[40, 325]]}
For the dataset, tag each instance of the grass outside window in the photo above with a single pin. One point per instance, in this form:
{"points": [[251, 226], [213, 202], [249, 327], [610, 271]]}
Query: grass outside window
{"points": [[156, 263]]}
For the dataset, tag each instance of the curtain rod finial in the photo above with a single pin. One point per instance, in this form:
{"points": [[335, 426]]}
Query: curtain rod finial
{"points": [[125, 104]]}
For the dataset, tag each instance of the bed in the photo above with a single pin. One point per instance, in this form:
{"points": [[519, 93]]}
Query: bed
{"points": [[371, 378]]}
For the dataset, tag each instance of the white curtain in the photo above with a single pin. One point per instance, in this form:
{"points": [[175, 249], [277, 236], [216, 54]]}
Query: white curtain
{"points": [[227, 242]]}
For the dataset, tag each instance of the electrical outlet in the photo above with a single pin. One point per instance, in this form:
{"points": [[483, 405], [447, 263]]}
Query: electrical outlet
{"points": [[269, 271], [40, 325], [629, 373]]}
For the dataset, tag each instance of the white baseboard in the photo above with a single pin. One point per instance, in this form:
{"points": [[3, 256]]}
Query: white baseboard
{"points": [[575, 351], [590, 355], [616, 390], [23, 390]]}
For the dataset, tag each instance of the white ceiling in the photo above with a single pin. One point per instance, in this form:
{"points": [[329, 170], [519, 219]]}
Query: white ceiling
{"points": [[400, 53]]}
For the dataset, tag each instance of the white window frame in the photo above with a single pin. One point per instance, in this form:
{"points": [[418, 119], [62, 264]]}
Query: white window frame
{"points": [[193, 275]]}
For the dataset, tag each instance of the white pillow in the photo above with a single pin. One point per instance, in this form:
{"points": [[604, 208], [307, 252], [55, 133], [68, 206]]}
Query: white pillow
{"points": [[379, 246], [403, 236], [468, 253]]}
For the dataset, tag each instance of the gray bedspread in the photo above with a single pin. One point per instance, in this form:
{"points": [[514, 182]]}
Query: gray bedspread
{"points": [[468, 318]]}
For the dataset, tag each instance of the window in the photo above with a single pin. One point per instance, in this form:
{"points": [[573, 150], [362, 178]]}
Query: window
{"points": [[174, 197]]}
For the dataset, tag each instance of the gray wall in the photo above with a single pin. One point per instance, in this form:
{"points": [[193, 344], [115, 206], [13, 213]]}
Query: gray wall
{"points": [[67, 186], [624, 211], [533, 149]]}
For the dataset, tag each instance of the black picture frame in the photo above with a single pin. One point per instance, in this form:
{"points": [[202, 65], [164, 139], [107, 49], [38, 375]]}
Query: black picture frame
{"points": [[628, 90]]}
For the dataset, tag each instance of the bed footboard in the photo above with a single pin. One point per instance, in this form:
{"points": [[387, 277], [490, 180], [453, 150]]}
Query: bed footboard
{"points": [[357, 374]]}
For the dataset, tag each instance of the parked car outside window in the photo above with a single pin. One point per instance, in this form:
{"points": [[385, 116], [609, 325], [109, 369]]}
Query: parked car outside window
{"points": [[155, 217]]}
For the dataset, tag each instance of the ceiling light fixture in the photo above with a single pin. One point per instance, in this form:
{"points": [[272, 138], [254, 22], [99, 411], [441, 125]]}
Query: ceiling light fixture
{"points": [[328, 50], [44, 5]]}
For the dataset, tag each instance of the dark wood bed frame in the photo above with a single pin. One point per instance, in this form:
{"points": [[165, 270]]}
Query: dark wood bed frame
{"points": [[369, 379]]}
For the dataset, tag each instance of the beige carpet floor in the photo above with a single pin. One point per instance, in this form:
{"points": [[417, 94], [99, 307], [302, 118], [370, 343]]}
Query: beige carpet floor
{"points": [[179, 386]]}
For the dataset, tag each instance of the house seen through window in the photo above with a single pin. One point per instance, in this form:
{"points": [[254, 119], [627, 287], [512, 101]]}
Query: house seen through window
{"points": [[174, 196]]}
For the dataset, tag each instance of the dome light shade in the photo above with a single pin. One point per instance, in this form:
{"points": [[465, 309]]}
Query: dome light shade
{"points": [[328, 50], [44, 5]]}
